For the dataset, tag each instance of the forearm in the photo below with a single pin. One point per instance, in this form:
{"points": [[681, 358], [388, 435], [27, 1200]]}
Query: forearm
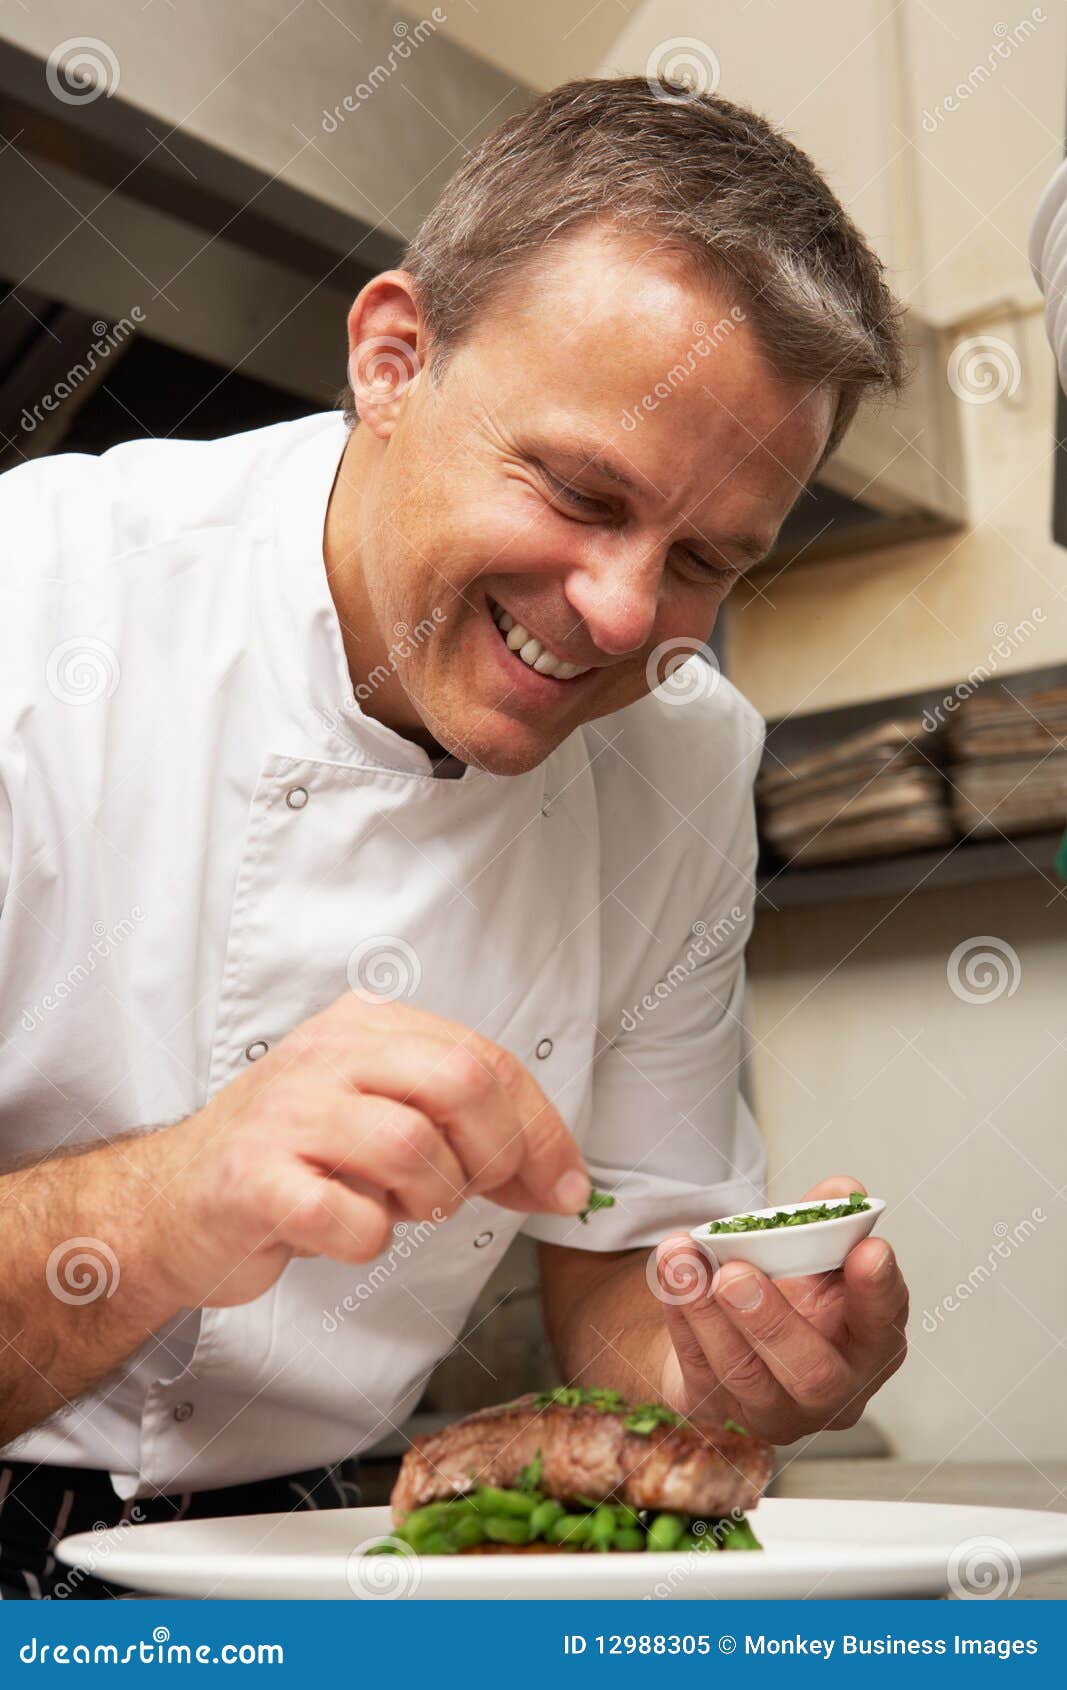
{"points": [[605, 1325], [65, 1324]]}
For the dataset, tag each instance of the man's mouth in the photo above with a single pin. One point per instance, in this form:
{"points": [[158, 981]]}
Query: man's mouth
{"points": [[529, 649]]}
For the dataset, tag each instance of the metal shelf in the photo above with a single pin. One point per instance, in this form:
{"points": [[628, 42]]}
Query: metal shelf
{"points": [[967, 862]]}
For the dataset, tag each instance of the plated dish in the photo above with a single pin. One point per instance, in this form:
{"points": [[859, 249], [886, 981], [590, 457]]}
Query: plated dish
{"points": [[575, 1470], [810, 1549]]}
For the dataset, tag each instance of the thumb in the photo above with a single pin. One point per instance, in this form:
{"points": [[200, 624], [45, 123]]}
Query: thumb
{"points": [[838, 1185]]}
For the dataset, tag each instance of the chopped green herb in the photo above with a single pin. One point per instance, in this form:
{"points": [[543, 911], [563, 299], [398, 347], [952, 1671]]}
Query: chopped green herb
{"points": [[577, 1396], [854, 1204], [732, 1426], [597, 1200], [530, 1477], [648, 1415]]}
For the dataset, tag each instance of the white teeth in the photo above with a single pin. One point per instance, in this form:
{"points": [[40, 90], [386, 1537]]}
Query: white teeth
{"points": [[532, 652]]}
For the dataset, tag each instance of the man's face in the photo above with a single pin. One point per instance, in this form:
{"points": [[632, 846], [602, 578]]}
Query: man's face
{"points": [[606, 453]]}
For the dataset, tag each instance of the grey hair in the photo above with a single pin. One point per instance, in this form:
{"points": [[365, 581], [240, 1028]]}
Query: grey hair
{"points": [[702, 177]]}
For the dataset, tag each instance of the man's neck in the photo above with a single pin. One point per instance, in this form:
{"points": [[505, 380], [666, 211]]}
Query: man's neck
{"points": [[365, 650]]}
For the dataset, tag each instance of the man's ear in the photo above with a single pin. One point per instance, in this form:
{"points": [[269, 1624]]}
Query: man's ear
{"points": [[385, 346]]}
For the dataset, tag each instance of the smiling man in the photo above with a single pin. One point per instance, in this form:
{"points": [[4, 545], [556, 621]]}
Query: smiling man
{"points": [[377, 843]]}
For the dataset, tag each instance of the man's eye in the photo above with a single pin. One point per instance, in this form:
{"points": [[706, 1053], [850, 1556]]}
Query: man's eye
{"points": [[579, 501], [720, 573]]}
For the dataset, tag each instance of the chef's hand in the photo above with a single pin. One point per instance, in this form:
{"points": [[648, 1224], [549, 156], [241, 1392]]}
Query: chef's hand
{"points": [[783, 1357], [366, 1114]]}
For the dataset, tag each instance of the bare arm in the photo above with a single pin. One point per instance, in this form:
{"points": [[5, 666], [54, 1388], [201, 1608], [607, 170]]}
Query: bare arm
{"points": [[365, 1115], [78, 1289], [605, 1325]]}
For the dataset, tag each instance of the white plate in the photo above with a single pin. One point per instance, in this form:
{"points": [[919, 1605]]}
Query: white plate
{"points": [[811, 1548]]}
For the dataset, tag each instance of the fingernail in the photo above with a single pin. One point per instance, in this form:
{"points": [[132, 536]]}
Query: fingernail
{"points": [[572, 1191], [882, 1268], [743, 1292]]}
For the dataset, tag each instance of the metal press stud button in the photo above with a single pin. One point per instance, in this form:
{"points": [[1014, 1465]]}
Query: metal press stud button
{"points": [[544, 1048], [296, 797], [183, 1411], [256, 1049], [482, 1240]]}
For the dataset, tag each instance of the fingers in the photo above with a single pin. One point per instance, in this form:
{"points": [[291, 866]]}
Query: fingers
{"points": [[838, 1185], [529, 1158], [876, 1303], [397, 1150], [811, 1370], [509, 1140], [321, 1217], [712, 1352]]}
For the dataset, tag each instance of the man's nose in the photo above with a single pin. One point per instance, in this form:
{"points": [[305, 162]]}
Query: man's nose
{"points": [[617, 598]]}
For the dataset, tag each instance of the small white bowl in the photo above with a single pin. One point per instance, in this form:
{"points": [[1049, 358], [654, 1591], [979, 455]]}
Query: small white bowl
{"points": [[788, 1252]]}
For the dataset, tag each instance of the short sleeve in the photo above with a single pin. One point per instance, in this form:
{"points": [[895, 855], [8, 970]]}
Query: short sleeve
{"points": [[669, 1134]]}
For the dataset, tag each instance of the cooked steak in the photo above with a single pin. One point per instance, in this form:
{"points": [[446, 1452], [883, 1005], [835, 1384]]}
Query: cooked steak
{"points": [[585, 1451]]}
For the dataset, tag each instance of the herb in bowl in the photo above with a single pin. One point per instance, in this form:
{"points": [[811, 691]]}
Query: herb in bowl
{"points": [[854, 1204]]}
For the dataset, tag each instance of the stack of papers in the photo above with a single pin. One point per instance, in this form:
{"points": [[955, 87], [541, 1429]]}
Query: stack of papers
{"points": [[873, 794], [1008, 762]]}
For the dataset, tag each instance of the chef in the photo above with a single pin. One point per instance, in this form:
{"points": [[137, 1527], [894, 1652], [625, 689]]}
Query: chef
{"points": [[377, 848]]}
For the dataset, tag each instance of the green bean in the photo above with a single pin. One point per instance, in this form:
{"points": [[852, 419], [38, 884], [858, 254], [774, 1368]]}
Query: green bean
{"points": [[628, 1537], [665, 1531], [699, 1540], [466, 1532], [603, 1527], [431, 1514], [435, 1542], [544, 1514], [738, 1534], [502, 1528], [571, 1530], [514, 1503]]}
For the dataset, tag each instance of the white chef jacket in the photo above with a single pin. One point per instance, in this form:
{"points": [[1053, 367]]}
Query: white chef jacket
{"points": [[199, 827]]}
